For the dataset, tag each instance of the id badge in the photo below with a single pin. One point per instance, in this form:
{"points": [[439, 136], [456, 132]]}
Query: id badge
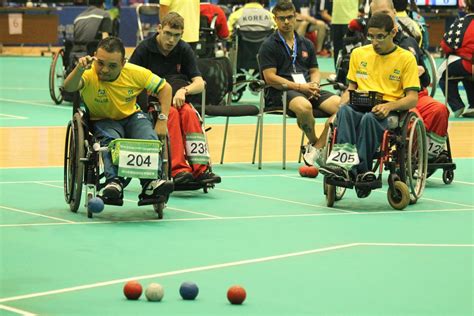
{"points": [[298, 78]]}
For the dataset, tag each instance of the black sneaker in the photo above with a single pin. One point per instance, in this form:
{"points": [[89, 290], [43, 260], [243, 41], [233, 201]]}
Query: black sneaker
{"points": [[208, 177], [183, 177], [112, 190], [368, 176], [156, 188]]}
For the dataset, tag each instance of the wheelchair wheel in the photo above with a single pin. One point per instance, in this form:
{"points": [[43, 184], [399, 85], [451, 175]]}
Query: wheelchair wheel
{"points": [[430, 63], [398, 195], [74, 151], [416, 157], [330, 195], [237, 95], [448, 176], [57, 74]]}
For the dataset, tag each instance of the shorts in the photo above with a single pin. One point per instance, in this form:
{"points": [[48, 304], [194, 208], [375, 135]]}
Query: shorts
{"points": [[273, 98]]}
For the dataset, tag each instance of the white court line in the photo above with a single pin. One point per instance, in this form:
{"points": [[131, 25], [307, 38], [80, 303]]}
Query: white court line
{"points": [[283, 200], [36, 214], [177, 272], [221, 266], [21, 88], [229, 218], [64, 107], [11, 117], [385, 192], [16, 310]]}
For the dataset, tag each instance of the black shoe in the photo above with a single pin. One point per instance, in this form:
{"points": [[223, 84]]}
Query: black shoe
{"points": [[208, 177], [157, 188], [336, 172], [443, 157], [368, 176], [183, 177], [112, 190]]}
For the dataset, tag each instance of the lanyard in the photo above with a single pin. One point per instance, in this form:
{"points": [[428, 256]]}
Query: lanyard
{"points": [[295, 49]]}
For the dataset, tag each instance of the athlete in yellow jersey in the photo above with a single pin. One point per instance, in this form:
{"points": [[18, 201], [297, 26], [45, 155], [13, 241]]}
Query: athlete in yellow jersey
{"points": [[109, 87], [382, 67]]}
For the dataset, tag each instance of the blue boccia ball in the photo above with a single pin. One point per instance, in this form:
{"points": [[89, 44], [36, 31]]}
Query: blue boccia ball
{"points": [[188, 290], [95, 205]]}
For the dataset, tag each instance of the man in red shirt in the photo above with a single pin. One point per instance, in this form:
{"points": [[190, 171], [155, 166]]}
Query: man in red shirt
{"points": [[210, 10]]}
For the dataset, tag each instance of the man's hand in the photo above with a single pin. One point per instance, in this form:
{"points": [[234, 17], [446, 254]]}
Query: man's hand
{"points": [[161, 128], [382, 110], [311, 90], [179, 98], [85, 62]]}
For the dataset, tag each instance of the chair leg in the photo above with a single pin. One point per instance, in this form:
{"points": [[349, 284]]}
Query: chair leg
{"points": [[225, 139], [260, 145], [256, 140], [301, 145]]}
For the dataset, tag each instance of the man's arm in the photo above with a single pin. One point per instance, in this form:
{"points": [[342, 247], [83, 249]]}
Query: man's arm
{"points": [[73, 82], [280, 83], [406, 103], [164, 97], [196, 86]]}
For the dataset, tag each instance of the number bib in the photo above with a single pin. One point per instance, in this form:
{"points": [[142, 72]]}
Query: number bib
{"points": [[196, 149], [137, 158], [343, 155], [435, 145]]}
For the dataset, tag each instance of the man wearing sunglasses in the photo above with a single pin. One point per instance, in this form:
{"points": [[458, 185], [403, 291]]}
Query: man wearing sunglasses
{"points": [[167, 56], [288, 60], [383, 67]]}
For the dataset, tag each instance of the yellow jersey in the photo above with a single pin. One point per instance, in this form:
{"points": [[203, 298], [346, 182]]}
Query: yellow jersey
{"points": [[116, 99], [391, 74]]}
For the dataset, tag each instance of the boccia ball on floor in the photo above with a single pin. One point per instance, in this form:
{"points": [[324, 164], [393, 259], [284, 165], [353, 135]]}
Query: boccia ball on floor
{"points": [[312, 172], [95, 205], [188, 290], [236, 295], [132, 290], [154, 292]]}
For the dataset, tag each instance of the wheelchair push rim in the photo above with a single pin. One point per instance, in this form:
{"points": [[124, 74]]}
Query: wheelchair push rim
{"points": [[57, 73]]}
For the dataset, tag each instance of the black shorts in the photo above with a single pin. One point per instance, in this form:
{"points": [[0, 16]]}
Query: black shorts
{"points": [[273, 98]]}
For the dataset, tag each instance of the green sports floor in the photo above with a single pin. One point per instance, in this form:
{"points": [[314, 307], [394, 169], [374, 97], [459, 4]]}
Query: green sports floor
{"points": [[267, 230]]}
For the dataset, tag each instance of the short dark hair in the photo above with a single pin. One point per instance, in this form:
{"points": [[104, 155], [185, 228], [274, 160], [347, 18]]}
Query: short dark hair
{"points": [[400, 5], [381, 21], [173, 20], [284, 5], [96, 3], [112, 44]]}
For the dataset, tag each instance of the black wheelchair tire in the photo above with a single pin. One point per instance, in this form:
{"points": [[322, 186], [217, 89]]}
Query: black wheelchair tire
{"points": [[431, 64], [54, 77], [448, 176], [76, 172]]}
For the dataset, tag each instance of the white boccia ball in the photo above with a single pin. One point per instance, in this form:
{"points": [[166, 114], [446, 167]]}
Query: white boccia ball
{"points": [[154, 292]]}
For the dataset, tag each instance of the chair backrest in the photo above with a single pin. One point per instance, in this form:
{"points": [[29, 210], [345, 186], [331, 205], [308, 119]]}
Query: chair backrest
{"points": [[217, 73], [149, 11], [247, 44], [205, 48]]}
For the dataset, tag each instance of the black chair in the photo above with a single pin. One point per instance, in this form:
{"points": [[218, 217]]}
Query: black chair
{"points": [[216, 98], [208, 39]]}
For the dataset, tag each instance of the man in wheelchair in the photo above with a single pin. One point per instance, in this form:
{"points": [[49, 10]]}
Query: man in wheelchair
{"points": [[382, 67], [168, 56], [434, 113], [109, 86]]}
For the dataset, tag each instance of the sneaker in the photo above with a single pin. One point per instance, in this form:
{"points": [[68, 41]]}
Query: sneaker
{"points": [[468, 113], [368, 176], [312, 154], [155, 188], [209, 177], [459, 112], [113, 190], [443, 157], [183, 177], [336, 172]]}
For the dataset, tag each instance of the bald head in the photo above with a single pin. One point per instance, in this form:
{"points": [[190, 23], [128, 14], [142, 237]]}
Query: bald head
{"points": [[383, 6]]}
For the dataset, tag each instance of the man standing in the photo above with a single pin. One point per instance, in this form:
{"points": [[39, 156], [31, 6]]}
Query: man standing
{"points": [[167, 56]]}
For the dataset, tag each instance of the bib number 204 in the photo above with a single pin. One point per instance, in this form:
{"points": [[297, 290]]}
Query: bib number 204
{"points": [[138, 160]]}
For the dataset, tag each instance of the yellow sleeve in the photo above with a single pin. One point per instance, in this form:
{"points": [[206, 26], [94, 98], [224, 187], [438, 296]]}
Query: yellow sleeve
{"points": [[233, 19], [154, 84], [410, 79], [165, 2], [86, 78], [351, 75]]}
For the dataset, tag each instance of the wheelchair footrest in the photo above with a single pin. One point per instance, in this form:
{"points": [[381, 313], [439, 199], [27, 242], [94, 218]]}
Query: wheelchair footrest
{"points": [[377, 184], [442, 165], [339, 182], [116, 202], [191, 186]]}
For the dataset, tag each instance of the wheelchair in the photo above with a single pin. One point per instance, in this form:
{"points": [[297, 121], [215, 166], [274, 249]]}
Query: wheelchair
{"points": [[62, 65], [83, 165], [403, 152]]}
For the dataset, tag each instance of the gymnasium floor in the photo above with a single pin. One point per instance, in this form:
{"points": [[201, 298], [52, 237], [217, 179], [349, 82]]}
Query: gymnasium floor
{"points": [[268, 230]]}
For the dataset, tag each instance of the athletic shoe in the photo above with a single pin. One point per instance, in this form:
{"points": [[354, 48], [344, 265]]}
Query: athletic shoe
{"points": [[156, 188], [459, 112], [208, 177], [468, 113], [312, 154], [183, 177], [113, 190]]}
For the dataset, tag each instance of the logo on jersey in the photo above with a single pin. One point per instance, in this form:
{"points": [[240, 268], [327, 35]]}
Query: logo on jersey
{"points": [[395, 76], [101, 92]]}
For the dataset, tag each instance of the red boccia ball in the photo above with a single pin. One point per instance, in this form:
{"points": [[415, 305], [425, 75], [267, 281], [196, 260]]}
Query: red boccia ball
{"points": [[302, 171], [312, 172], [236, 295], [132, 290]]}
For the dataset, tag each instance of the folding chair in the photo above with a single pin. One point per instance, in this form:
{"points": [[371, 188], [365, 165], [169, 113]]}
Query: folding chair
{"points": [[150, 11]]}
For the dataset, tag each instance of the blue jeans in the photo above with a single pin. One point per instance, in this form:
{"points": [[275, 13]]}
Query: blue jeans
{"points": [[454, 99], [136, 126], [364, 130]]}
